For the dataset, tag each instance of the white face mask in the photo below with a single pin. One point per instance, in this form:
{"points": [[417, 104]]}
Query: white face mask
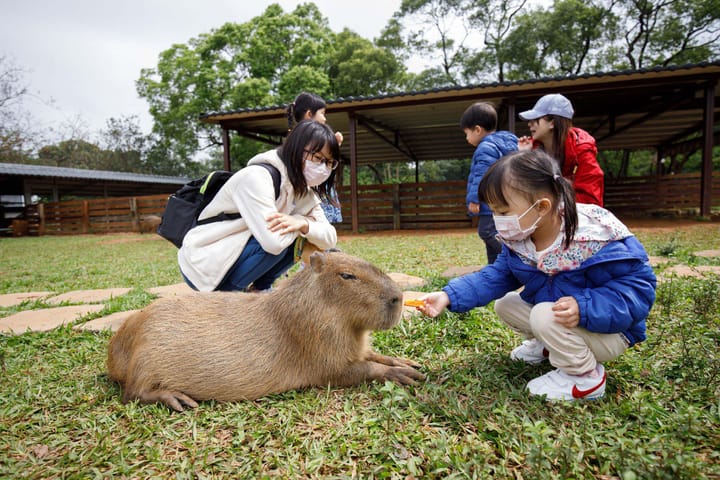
{"points": [[508, 226], [315, 173]]}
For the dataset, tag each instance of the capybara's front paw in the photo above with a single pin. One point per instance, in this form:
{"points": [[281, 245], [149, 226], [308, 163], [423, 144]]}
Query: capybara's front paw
{"points": [[174, 400], [403, 375], [392, 361]]}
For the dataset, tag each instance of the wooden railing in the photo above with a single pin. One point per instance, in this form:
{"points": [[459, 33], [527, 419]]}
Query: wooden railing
{"points": [[409, 206]]}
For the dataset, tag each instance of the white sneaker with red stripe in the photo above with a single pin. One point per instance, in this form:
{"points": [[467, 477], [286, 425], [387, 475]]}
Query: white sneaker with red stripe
{"points": [[558, 385], [530, 351]]}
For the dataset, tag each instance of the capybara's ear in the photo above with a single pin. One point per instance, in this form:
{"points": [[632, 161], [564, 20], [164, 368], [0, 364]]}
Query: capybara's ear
{"points": [[334, 249], [317, 261]]}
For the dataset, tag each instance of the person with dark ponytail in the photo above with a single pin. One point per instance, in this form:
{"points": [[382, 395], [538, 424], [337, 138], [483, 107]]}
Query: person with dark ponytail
{"points": [[587, 284], [308, 106], [552, 130]]}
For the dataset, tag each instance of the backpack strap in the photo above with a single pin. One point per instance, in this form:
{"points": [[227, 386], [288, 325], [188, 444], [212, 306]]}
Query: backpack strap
{"points": [[274, 173]]}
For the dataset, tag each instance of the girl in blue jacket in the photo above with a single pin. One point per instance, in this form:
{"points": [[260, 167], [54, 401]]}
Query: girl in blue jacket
{"points": [[587, 286]]}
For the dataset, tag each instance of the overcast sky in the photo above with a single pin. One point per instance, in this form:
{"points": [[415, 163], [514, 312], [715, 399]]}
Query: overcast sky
{"points": [[85, 55]]}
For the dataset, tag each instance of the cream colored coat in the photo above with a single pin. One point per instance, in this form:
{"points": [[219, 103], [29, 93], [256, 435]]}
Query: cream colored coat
{"points": [[208, 251]]}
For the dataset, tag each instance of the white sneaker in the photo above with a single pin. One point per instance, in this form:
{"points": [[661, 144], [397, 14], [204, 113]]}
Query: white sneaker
{"points": [[558, 385], [531, 351]]}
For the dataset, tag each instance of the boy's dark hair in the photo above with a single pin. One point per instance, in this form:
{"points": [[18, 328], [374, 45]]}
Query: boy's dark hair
{"points": [[534, 174], [482, 114], [303, 103], [309, 137]]}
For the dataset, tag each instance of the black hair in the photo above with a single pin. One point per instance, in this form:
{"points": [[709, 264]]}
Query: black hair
{"points": [[482, 114], [303, 103], [561, 130], [311, 137], [534, 174]]}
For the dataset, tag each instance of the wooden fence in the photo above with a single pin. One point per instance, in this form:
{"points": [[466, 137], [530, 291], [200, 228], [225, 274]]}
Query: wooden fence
{"points": [[380, 207]]}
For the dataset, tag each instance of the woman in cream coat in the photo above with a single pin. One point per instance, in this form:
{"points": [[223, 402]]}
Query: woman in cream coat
{"points": [[259, 247]]}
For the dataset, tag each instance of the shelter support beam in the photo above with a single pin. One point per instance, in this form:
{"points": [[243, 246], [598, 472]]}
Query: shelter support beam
{"points": [[708, 137], [353, 172], [226, 148]]}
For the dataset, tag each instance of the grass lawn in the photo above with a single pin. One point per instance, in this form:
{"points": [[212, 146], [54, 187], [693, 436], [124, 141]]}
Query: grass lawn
{"points": [[61, 417]]}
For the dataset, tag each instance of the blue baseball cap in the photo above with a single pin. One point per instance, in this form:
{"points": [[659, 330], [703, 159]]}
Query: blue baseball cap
{"points": [[553, 104]]}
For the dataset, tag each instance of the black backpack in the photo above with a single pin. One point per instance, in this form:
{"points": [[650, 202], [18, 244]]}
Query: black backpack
{"points": [[184, 206]]}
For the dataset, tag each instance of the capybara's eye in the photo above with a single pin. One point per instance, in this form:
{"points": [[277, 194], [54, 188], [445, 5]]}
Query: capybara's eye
{"points": [[348, 276]]}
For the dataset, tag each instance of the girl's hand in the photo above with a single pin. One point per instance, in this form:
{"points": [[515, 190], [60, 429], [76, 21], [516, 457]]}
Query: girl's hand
{"points": [[474, 207], [434, 303], [567, 312], [525, 143], [339, 138], [283, 223]]}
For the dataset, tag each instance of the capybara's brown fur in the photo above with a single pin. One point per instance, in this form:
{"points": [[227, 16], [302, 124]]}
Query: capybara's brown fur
{"points": [[313, 331]]}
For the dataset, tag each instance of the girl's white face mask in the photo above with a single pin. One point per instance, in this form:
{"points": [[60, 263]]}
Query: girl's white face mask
{"points": [[315, 173], [508, 226]]}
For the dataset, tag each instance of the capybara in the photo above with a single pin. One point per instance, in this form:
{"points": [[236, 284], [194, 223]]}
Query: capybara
{"points": [[313, 331]]}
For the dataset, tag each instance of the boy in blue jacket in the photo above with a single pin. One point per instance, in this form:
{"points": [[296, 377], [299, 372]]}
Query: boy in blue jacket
{"points": [[479, 122], [587, 284]]}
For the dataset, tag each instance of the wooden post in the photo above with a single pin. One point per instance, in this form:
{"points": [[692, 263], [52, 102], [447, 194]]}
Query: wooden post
{"points": [[226, 149], [134, 217], [353, 172], [85, 216], [707, 150], [41, 217], [396, 206]]}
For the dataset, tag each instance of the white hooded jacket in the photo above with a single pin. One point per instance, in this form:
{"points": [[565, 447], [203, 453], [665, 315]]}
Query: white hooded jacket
{"points": [[208, 251]]}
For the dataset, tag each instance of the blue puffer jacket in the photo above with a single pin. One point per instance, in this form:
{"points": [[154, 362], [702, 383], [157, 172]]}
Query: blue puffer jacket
{"points": [[615, 288], [488, 151]]}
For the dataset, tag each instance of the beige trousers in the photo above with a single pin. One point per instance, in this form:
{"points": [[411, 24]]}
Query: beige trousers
{"points": [[574, 350]]}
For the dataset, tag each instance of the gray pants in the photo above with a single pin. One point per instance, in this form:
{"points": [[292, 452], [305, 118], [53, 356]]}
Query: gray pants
{"points": [[573, 350], [487, 232]]}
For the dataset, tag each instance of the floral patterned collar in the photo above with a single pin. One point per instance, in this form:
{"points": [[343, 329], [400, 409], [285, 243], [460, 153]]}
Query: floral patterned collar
{"points": [[596, 228]]}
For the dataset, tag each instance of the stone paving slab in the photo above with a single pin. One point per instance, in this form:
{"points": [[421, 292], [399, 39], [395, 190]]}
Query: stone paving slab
{"points": [[109, 322], [453, 272], [407, 281], [707, 253], [170, 290], [45, 319], [686, 271], [11, 299], [657, 261], [88, 296]]}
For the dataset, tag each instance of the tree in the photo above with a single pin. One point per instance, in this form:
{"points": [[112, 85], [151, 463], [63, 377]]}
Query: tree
{"points": [[73, 153], [666, 32], [535, 49], [16, 131], [266, 61], [358, 67], [436, 30], [235, 66], [124, 145]]}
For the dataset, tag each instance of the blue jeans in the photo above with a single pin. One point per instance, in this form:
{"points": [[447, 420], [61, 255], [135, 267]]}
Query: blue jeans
{"points": [[486, 230], [255, 266]]}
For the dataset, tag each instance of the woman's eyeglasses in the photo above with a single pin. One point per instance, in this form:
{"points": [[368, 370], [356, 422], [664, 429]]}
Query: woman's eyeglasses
{"points": [[318, 157]]}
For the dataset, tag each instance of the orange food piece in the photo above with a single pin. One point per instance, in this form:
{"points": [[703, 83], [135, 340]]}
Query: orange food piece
{"points": [[413, 303]]}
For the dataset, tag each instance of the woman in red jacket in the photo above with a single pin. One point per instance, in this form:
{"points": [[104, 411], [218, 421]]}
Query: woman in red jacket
{"points": [[551, 129]]}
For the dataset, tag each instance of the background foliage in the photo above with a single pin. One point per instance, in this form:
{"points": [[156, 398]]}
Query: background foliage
{"points": [[269, 59]]}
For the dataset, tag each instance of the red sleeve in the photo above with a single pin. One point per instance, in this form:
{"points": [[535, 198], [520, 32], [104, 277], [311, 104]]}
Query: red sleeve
{"points": [[582, 169]]}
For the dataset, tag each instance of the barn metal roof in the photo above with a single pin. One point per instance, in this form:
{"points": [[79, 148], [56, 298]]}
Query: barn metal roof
{"points": [[633, 109], [44, 180]]}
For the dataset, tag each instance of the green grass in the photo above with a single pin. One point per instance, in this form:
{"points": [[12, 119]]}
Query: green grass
{"points": [[60, 416]]}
